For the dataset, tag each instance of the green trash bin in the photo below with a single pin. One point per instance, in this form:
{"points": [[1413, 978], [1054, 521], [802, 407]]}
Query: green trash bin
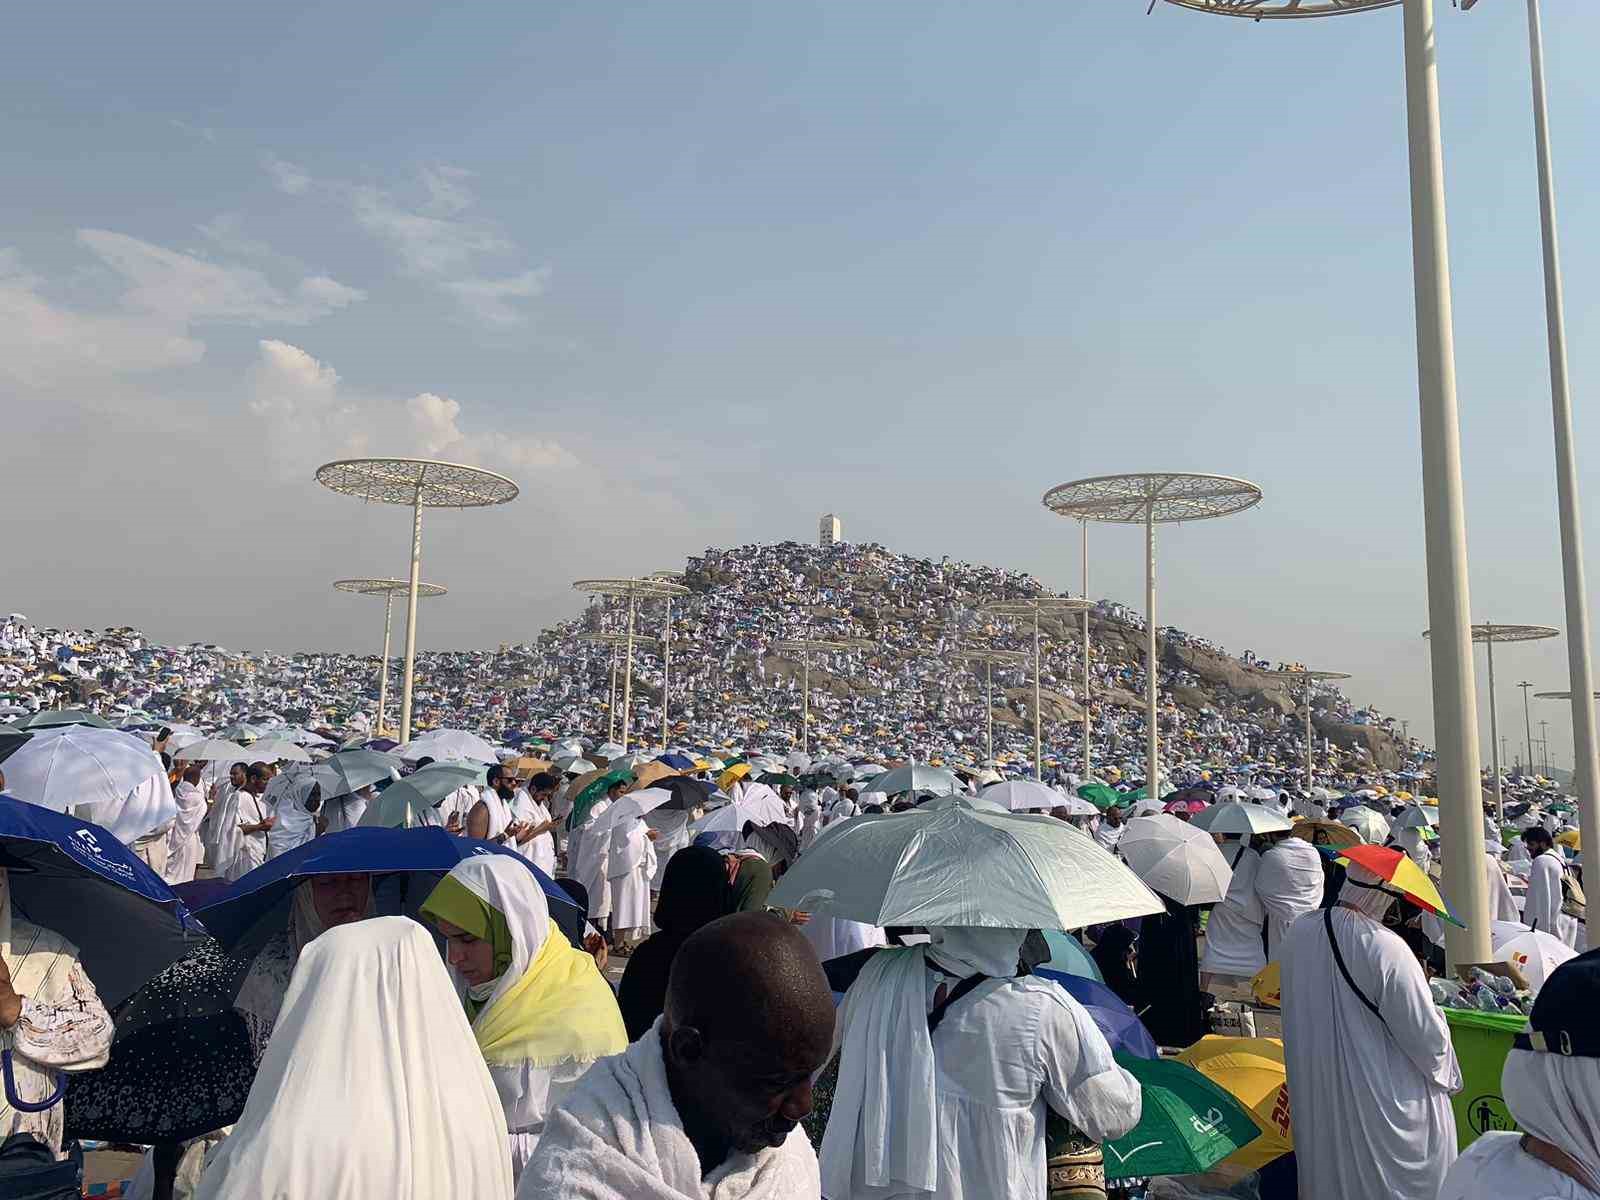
{"points": [[1482, 1041]]}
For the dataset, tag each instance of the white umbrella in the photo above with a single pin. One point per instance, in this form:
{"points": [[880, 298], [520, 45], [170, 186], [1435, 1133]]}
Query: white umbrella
{"points": [[577, 766], [1077, 806], [917, 777], [1371, 825], [1147, 808], [213, 750], [1175, 859], [1018, 795], [1535, 954], [634, 804], [270, 749], [608, 750], [1263, 793], [1230, 794], [1240, 818], [758, 803], [957, 861], [449, 745], [1417, 816], [76, 765]]}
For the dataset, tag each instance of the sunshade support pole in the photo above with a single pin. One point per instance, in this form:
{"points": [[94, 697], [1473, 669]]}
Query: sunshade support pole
{"points": [[383, 663], [1527, 721], [611, 699], [805, 702], [1444, 515], [1586, 770], [1088, 766], [1494, 736], [411, 613], [988, 706], [1038, 724], [627, 676], [1152, 737], [1310, 741], [666, 672]]}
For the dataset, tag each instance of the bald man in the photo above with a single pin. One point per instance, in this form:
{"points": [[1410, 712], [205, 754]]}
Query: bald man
{"points": [[710, 1100]]}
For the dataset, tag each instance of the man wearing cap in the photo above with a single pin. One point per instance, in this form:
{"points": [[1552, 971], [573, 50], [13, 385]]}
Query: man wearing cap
{"points": [[1370, 1065], [1551, 1084]]}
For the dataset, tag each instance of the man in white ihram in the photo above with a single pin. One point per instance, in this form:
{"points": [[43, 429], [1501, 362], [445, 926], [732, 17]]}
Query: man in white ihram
{"points": [[1289, 884], [1370, 1065]]}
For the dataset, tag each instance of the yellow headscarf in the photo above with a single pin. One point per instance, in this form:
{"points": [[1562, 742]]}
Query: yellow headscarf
{"points": [[549, 1004]]}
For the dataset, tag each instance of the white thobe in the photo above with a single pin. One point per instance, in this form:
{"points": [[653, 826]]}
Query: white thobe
{"points": [[344, 812], [1234, 941], [1372, 1116], [247, 809], [1542, 910], [834, 937], [1502, 905], [1289, 884], [1107, 834], [458, 804], [588, 855], [183, 842], [540, 850], [672, 829], [632, 865], [1495, 1167]]}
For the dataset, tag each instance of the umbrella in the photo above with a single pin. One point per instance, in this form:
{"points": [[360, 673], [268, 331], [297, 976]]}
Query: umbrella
{"points": [[450, 744], [651, 773], [53, 718], [575, 766], [732, 776], [1146, 808], [780, 779], [1244, 819], [959, 862], [1416, 816], [687, 794], [917, 777], [1101, 796], [678, 762], [1393, 866], [10, 742], [351, 770], [78, 880], [1534, 953], [1188, 1123], [1121, 1025], [634, 804], [1251, 1070], [760, 809], [608, 750], [214, 750], [67, 767], [1370, 824], [260, 897], [275, 749], [1190, 806], [1021, 794], [1068, 957], [1570, 838], [181, 1064], [1175, 859], [406, 802], [1327, 833], [241, 731]]}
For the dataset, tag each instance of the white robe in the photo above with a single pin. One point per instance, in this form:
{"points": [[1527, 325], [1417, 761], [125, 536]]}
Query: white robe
{"points": [[618, 1136], [1502, 905], [834, 937], [1495, 1167], [245, 808], [632, 866], [588, 861], [183, 841], [1542, 911], [1289, 883], [1234, 941], [541, 849], [673, 830], [296, 824], [1372, 1116], [344, 812]]}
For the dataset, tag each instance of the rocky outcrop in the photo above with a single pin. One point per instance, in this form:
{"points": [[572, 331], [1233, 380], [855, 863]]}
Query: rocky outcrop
{"points": [[1382, 750]]}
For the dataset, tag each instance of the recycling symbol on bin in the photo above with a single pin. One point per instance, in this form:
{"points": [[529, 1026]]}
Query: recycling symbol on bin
{"points": [[1488, 1113]]}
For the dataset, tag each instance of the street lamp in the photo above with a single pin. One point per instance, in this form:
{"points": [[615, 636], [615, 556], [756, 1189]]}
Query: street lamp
{"points": [[1034, 607], [666, 651], [1490, 633], [1444, 515], [1311, 677], [615, 641], [634, 590], [421, 483], [990, 657], [803, 646], [1152, 498], [388, 589]]}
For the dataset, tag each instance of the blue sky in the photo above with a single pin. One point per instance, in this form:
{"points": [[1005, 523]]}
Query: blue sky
{"points": [[696, 273]]}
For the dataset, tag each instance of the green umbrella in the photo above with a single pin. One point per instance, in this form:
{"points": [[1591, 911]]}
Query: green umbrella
{"points": [[403, 803], [593, 794], [779, 779], [52, 718], [1101, 796], [1188, 1123]]}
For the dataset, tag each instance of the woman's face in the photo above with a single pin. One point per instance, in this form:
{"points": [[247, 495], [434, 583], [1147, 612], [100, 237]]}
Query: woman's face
{"points": [[341, 899], [473, 957]]}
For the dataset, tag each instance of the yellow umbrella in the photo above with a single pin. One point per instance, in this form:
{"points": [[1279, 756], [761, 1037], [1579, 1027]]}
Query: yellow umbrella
{"points": [[732, 776], [1267, 986], [1326, 833], [649, 773], [1569, 837], [1251, 1070]]}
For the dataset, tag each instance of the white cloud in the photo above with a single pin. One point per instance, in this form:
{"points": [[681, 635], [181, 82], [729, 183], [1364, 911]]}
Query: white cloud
{"points": [[428, 246], [226, 232], [487, 299], [184, 289], [448, 193], [287, 177]]}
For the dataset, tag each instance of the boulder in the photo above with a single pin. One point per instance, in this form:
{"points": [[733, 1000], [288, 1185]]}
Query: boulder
{"points": [[1369, 740]]}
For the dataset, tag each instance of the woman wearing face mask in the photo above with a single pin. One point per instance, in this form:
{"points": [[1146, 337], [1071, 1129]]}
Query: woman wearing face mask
{"points": [[540, 1010]]}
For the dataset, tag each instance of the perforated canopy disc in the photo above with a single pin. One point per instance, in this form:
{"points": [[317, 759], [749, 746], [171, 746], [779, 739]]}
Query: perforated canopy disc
{"points": [[388, 587], [1490, 632], [993, 655], [618, 639], [802, 645], [1269, 10], [1043, 605], [641, 589], [1167, 496], [1558, 695], [1311, 674], [421, 481]]}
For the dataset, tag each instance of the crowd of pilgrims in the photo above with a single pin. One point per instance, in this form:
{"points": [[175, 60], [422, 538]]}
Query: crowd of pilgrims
{"points": [[480, 1051]]}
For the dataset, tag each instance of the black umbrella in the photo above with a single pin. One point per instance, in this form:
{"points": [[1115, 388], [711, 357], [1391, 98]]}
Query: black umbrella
{"points": [[181, 1063], [11, 741], [687, 793]]}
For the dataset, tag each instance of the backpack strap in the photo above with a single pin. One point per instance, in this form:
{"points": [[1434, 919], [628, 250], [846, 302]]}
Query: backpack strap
{"points": [[936, 1015], [1338, 958]]}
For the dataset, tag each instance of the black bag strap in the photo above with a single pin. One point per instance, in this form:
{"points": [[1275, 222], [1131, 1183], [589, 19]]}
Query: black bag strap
{"points": [[936, 1015], [1338, 958]]}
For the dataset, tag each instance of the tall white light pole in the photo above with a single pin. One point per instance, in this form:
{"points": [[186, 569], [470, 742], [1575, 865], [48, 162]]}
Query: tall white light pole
{"points": [[803, 646], [990, 657], [1031, 609], [388, 589], [1308, 678], [1444, 517], [1585, 770], [617, 642], [633, 591]]}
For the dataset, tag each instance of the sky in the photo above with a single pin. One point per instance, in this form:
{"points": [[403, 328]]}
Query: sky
{"points": [[694, 274]]}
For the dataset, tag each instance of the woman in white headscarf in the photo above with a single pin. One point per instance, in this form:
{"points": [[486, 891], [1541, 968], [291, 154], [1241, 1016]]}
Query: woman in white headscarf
{"points": [[396, 1104], [51, 1021], [540, 1009], [319, 904], [959, 1111]]}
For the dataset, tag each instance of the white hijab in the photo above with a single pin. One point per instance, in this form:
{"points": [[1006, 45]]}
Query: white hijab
{"points": [[409, 1067], [1365, 892], [1557, 1099]]}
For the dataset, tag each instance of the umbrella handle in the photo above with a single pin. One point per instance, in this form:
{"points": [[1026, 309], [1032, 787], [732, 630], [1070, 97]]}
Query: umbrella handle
{"points": [[16, 1101]]}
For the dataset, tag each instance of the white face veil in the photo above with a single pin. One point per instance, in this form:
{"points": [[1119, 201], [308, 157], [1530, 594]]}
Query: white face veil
{"points": [[1557, 1099], [1366, 893]]}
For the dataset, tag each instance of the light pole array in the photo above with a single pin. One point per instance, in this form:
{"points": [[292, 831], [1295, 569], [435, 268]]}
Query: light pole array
{"points": [[803, 646], [1151, 499], [1033, 608], [633, 590], [1310, 677], [991, 657], [388, 589], [421, 483], [666, 653], [616, 641]]}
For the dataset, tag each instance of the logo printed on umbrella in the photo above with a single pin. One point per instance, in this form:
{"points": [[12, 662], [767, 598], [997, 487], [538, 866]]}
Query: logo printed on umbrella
{"points": [[84, 842], [1207, 1124]]}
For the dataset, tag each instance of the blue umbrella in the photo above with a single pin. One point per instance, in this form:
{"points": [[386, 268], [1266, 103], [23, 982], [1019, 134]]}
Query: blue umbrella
{"points": [[365, 850], [1121, 1025], [677, 762], [1068, 956], [78, 880]]}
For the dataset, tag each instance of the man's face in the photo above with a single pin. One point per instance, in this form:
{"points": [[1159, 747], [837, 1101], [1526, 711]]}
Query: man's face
{"points": [[1113, 816], [755, 1095], [340, 899], [505, 786], [236, 776]]}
